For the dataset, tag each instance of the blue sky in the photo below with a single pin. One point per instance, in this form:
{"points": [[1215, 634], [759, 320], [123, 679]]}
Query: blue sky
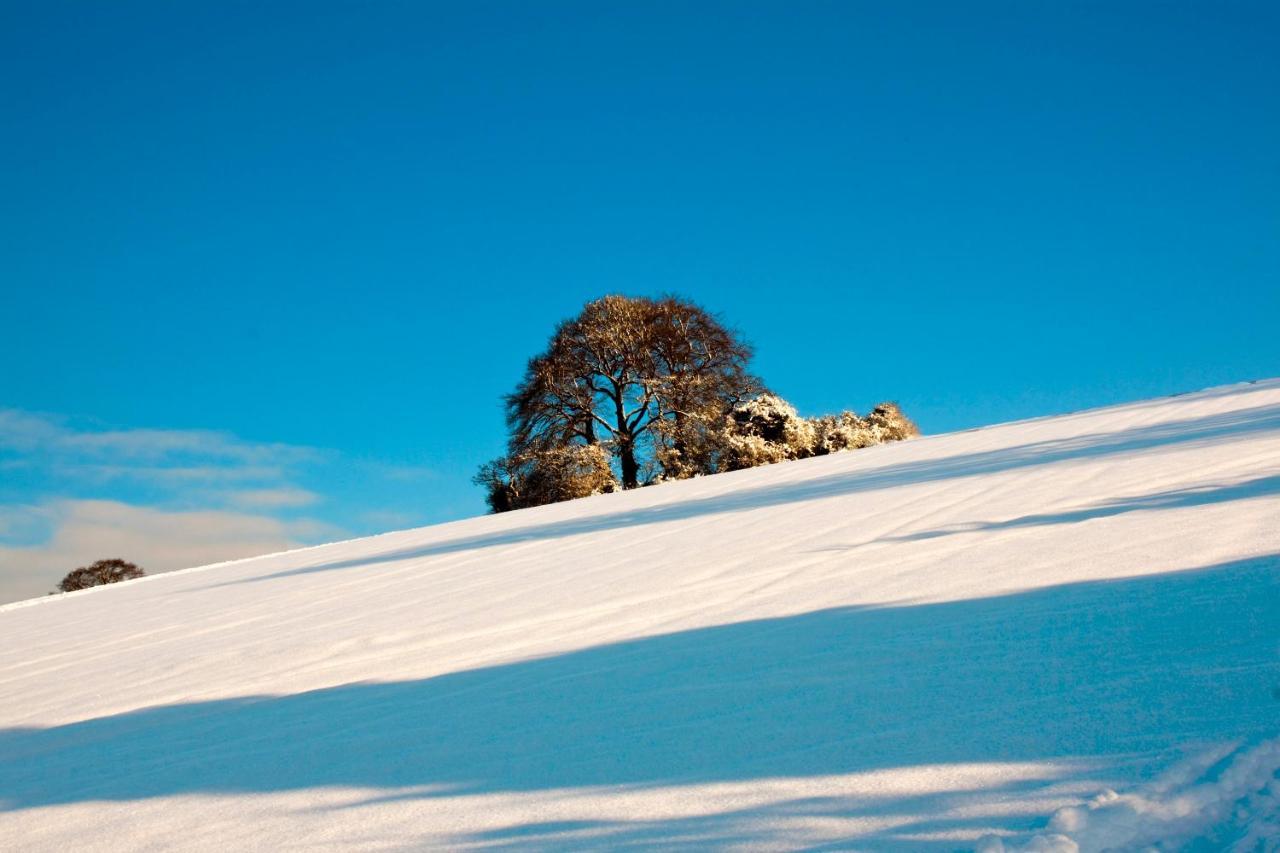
{"points": [[266, 269]]}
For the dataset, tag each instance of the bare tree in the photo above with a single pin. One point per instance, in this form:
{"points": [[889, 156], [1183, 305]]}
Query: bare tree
{"points": [[101, 572], [637, 376]]}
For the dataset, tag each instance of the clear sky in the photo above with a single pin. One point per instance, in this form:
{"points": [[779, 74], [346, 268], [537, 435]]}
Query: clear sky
{"points": [[266, 268]]}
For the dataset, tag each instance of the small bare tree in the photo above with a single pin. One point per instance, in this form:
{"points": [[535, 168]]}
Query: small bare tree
{"points": [[101, 572]]}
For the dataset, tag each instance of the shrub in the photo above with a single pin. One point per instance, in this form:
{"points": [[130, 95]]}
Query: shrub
{"points": [[762, 431], [888, 423], [547, 476], [100, 573], [845, 431]]}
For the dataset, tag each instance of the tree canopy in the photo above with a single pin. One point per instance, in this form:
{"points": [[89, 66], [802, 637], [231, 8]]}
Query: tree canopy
{"points": [[101, 572], [637, 376]]}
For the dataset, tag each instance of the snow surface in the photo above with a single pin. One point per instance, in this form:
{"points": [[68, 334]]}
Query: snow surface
{"points": [[1055, 634]]}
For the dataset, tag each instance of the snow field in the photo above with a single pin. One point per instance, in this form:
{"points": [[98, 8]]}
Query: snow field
{"points": [[1058, 634]]}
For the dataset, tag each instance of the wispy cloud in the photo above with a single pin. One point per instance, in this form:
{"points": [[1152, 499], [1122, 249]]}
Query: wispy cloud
{"points": [[172, 475], [143, 453], [155, 445], [165, 499], [72, 492], [274, 498], [182, 466], [157, 540]]}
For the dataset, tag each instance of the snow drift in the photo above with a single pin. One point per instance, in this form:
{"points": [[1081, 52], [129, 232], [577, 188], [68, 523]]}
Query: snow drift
{"points": [[1058, 634]]}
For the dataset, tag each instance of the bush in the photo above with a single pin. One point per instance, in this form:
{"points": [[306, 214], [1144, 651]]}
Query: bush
{"points": [[767, 429], [762, 431], [845, 431], [546, 476], [888, 423], [100, 573]]}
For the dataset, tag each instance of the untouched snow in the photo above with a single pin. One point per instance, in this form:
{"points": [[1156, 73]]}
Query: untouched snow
{"points": [[1056, 634]]}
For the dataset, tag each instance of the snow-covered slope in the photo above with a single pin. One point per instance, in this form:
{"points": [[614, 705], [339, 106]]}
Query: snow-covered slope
{"points": [[1055, 632]]}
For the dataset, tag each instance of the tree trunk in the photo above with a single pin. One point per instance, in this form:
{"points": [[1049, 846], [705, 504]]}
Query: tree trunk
{"points": [[622, 435], [627, 458], [679, 445]]}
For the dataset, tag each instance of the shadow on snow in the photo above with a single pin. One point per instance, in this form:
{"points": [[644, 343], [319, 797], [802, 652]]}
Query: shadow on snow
{"points": [[1092, 669], [1172, 499]]}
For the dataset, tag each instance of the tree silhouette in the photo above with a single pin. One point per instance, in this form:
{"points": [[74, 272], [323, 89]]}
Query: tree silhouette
{"points": [[101, 572]]}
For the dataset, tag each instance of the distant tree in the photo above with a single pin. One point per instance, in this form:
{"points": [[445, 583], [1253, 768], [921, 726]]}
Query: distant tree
{"points": [[101, 572], [642, 378]]}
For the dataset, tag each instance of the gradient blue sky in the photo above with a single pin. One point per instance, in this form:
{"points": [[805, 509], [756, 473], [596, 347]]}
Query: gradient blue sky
{"points": [[339, 229]]}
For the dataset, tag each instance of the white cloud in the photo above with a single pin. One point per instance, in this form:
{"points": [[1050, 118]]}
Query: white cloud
{"points": [[24, 432], [156, 445], [164, 499], [141, 452], [130, 492], [172, 476], [171, 467], [274, 498], [158, 541]]}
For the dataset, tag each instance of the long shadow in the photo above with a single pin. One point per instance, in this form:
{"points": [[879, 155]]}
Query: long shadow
{"points": [[1098, 669], [1211, 428], [756, 826], [1172, 499]]}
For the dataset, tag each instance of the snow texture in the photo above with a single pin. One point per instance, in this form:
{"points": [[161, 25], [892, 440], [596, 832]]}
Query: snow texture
{"points": [[1054, 635]]}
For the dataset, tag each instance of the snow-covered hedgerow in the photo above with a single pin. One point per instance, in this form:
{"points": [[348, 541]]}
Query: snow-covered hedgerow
{"points": [[848, 431], [767, 429], [845, 431]]}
